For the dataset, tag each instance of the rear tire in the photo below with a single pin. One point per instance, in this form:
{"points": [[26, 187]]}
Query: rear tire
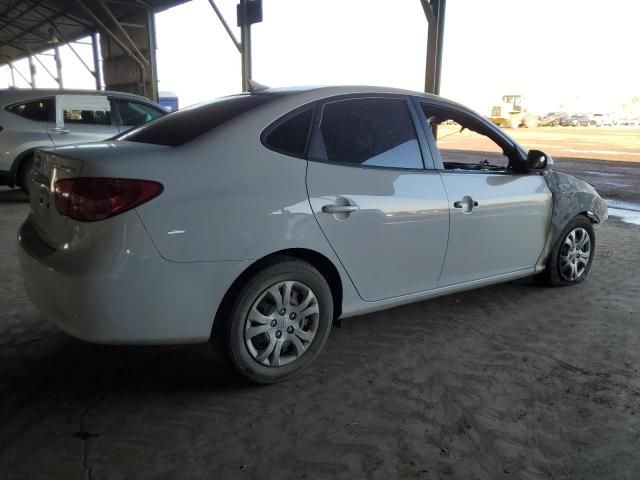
{"points": [[24, 170], [513, 122], [278, 322], [571, 258]]}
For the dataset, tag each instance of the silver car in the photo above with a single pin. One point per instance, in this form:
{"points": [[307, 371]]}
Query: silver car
{"points": [[32, 119], [257, 219]]}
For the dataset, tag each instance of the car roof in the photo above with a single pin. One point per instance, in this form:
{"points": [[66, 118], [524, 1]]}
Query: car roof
{"points": [[312, 93], [9, 96], [343, 90]]}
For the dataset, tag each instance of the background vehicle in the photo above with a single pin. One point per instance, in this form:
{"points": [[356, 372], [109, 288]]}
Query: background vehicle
{"points": [[629, 121], [512, 112], [553, 119], [602, 120], [576, 121], [256, 219], [31, 119]]}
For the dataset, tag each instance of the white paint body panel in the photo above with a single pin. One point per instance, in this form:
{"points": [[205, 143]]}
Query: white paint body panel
{"points": [[158, 274]]}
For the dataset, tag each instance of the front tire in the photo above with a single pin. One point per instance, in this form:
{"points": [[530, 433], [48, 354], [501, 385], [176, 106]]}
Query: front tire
{"points": [[572, 256], [279, 321]]}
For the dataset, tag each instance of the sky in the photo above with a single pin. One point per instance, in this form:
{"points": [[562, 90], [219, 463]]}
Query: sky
{"points": [[576, 55]]}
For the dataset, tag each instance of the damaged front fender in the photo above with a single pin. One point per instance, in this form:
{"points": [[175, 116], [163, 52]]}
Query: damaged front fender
{"points": [[571, 197]]}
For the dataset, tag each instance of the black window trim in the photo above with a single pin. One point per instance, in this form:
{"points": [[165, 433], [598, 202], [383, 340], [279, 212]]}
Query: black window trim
{"points": [[21, 102], [313, 106], [507, 143], [427, 162]]}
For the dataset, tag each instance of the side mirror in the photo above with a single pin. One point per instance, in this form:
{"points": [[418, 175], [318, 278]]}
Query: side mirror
{"points": [[537, 160]]}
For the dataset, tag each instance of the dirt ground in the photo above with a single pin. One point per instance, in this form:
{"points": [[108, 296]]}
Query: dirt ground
{"points": [[509, 381]]}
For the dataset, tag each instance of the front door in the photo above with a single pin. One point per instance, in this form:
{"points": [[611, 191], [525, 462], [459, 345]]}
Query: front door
{"points": [[499, 219], [384, 214]]}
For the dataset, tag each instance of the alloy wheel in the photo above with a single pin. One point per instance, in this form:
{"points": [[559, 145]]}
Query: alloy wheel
{"points": [[575, 253], [282, 323]]}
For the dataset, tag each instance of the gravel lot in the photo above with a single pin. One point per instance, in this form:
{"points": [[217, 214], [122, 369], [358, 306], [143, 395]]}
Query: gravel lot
{"points": [[510, 381]]}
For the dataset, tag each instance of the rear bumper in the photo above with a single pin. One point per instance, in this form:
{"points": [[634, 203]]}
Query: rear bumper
{"points": [[117, 289]]}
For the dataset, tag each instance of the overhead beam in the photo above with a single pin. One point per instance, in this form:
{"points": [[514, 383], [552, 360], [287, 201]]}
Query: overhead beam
{"points": [[226, 26], [123, 33], [106, 31]]}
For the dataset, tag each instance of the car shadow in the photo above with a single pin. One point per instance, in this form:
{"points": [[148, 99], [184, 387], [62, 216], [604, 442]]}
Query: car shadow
{"points": [[59, 366], [14, 195]]}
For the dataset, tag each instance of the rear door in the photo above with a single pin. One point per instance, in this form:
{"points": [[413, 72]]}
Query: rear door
{"points": [[499, 219], [81, 118], [385, 214]]}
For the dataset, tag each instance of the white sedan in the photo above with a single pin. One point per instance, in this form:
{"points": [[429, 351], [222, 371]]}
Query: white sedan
{"points": [[255, 220]]}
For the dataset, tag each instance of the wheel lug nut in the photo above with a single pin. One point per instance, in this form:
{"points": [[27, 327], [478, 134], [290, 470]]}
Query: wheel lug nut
{"points": [[282, 311], [278, 334], [289, 329], [274, 323], [292, 316]]}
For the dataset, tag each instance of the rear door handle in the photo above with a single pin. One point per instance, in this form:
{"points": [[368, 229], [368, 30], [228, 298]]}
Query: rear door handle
{"points": [[59, 130], [340, 209]]}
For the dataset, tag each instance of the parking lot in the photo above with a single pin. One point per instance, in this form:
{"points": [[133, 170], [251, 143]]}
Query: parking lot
{"points": [[509, 381]]}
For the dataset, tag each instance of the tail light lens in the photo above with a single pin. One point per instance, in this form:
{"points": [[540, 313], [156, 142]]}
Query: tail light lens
{"points": [[92, 199]]}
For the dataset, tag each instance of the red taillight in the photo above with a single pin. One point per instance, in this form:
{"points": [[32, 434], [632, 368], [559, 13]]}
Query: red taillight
{"points": [[92, 199]]}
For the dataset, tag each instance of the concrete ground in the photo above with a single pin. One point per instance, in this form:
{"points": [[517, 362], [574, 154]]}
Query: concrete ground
{"points": [[509, 381]]}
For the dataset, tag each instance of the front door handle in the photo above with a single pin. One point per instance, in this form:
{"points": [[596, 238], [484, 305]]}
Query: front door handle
{"points": [[59, 130], [466, 204], [340, 209]]}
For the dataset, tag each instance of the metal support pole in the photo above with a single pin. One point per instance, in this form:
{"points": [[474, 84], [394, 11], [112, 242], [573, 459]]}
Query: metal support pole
{"points": [[96, 61], [13, 77], [441, 10], [245, 41], [152, 56], [32, 71], [56, 51], [432, 46]]}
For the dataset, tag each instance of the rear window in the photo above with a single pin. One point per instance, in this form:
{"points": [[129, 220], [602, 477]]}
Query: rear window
{"points": [[185, 125], [41, 110]]}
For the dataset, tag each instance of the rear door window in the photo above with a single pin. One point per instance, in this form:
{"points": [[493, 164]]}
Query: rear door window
{"points": [[134, 113], [290, 136], [40, 110], [185, 125], [87, 117], [372, 132]]}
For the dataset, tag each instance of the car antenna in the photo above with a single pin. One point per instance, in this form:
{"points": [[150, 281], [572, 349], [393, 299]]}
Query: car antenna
{"points": [[256, 87]]}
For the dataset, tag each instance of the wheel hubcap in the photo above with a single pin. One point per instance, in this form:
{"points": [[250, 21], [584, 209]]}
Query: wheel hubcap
{"points": [[574, 254], [281, 323]]}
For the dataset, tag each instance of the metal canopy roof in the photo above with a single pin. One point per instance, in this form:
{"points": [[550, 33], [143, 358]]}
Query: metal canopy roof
{"points": [[27, 26]]}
